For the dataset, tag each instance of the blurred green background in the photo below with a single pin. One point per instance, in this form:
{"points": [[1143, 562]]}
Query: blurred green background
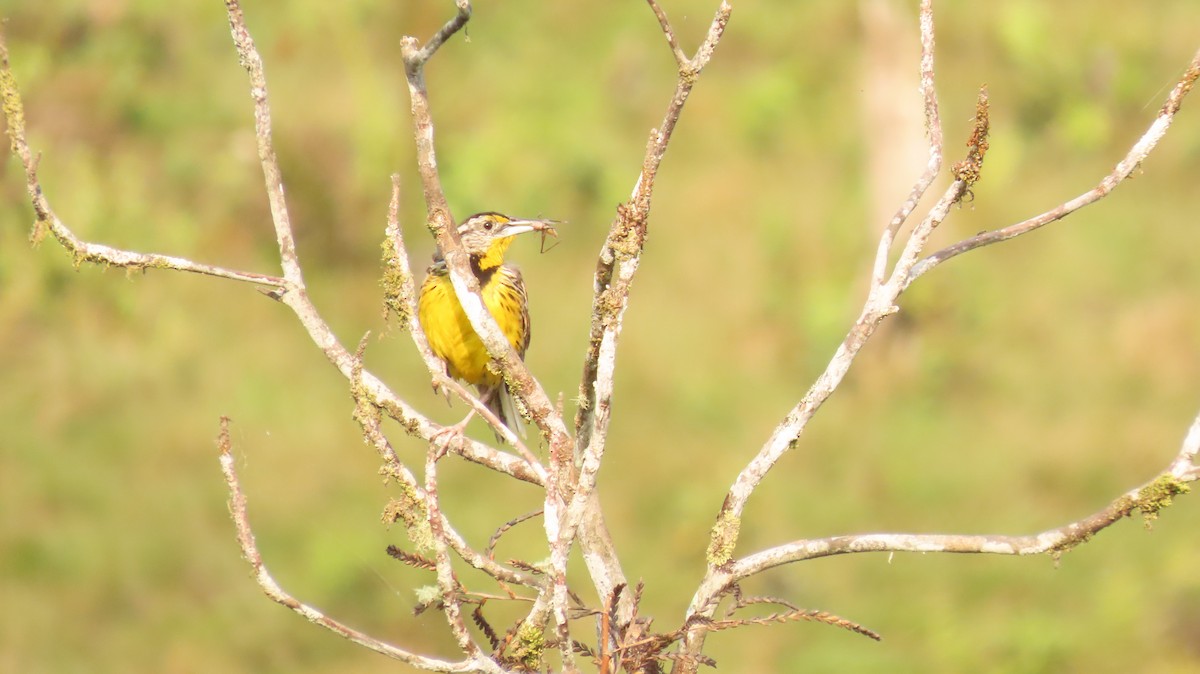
{"points": [[1021, 387]]}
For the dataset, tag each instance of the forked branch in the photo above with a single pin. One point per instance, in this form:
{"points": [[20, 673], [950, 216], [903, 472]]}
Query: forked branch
{"points": [[615, 270], [571, 508], [83, 251], [1148, 499], [885, 289], [1124, 168]]}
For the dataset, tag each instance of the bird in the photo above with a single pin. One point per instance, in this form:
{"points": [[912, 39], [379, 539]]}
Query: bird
{"points": [[485, 238]]}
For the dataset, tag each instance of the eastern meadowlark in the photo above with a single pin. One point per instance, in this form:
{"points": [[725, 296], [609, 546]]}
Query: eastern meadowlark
{"points": [[485, 238]]}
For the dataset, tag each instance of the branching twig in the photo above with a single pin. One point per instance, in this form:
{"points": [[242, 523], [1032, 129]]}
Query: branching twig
{"points": [[1147, 499], [495, 538], [615, 271], [291, 291], [466, 287], [884, 291], [1124, 168], [880, 304], [249, 58], [83, 251], [570, 506], [622, 250], [514, 372], [681, 58], [933, 131], [399, 284]]}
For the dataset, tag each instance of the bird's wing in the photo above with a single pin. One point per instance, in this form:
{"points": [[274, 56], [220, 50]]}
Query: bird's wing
{"points": [[514, 286]]}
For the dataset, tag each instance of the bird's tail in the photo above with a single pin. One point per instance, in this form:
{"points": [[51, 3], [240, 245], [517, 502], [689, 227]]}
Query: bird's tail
{"points": [[500, 401]]}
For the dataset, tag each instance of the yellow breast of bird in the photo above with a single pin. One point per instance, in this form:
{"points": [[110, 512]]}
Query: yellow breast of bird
{"points": [[450, 333]]}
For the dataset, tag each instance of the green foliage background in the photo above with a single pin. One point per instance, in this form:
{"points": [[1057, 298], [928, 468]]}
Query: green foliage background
{"points": [[1021, 387]]}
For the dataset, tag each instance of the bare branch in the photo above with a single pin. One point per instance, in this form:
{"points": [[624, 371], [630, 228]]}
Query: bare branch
{"points": [[446, 31], [417, 424], [1184, 466], [681, 58], [294, 295], [1124, 168], [1149, 499], [237, 509], [879, 305], [618, 263], [622, 250], [249, 58], [447, 580], [82, 251], [571, 506], [933, 130], [466, 287], [399, 284]]}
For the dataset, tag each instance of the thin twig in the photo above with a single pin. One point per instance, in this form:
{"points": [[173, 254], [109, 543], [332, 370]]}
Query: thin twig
{"points": [[810, 615], [249, 58], [466, 286], [504, 528], [417, 424], [933, 130], [681, 58], [1149, 499], [245, 535], [399, 284], [880, 303], [1124, 168], [447, 30], [447, 580], [293, 294]]}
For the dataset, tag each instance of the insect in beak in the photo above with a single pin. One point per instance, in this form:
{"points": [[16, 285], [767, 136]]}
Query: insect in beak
{"points": [[543, 227]]}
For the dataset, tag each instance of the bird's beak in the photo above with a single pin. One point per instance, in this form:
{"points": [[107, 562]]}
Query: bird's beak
{"points": [[515, 227]]}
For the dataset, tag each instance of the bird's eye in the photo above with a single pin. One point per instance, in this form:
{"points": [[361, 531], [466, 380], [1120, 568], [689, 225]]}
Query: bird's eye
{"points": [[487, 224]]}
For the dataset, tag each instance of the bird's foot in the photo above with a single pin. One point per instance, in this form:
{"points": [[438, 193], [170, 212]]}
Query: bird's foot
{"points": [[450, 436], [441, 387]]}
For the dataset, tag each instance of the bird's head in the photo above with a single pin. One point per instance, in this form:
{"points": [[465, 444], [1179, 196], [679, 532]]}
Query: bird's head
{"points": [[486, 236]]}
